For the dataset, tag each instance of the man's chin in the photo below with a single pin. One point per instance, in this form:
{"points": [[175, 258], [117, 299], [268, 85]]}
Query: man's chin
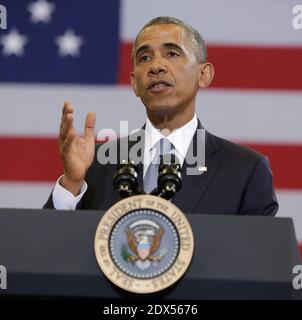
{"points": [[161, 110]]}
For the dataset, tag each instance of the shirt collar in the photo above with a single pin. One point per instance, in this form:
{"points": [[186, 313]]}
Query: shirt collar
{"points": [[180, 138]]}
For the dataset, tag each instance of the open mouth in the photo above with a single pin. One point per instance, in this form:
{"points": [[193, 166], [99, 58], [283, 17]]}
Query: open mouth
{"points": [[158, 85]]}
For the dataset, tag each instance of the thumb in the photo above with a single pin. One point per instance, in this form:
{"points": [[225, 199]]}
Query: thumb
{"points": [[89, 125]]}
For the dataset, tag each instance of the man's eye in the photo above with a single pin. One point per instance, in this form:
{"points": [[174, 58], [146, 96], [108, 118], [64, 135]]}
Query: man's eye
{"points": [[173, 54], [144, 58]]}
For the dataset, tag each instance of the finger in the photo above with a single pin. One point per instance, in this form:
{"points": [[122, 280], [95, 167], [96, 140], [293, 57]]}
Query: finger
{"points": [[90, 124], [67, 108], [66, 120], [66, 125], [69, 139]]}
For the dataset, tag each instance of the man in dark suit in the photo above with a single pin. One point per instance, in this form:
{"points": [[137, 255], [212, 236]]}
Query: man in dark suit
{"points": [[169, 67]]}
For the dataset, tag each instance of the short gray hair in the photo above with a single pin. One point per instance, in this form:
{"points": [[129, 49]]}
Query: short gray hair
{"points": [[195, 37]]}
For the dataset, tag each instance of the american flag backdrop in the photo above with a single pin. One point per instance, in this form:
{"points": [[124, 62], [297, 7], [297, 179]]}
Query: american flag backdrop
{"points": [[57, 50]]}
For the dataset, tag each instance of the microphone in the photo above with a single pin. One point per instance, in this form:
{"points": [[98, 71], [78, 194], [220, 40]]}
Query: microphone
{"points": [[169, 177], [125, 179]]}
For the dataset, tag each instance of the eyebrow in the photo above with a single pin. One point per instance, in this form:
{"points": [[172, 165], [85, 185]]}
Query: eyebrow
{"points": [[169, 45], [140, 49]]}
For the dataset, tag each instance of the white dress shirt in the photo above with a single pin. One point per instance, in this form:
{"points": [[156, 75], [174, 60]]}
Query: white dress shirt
{"points": [[180, 138]]}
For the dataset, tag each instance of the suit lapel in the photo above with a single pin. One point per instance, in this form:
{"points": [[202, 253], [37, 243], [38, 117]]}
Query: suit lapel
{"points": [[195, 185]]}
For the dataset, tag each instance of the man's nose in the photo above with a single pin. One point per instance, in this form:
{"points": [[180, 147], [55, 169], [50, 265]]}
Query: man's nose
{"points": [[157, 66]]}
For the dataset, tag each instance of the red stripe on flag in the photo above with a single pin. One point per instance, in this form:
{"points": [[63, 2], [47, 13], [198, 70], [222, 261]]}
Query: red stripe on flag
{"points": [[242, 67], [125, 63], [37, 159], [29, 159]]}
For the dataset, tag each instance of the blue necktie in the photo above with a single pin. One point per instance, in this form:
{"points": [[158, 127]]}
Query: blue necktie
{"points": [[163, 146]]}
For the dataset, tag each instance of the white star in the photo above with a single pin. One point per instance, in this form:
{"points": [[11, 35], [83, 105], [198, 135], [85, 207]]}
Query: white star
{"points": [[13, 43], [69, 44], [41, 11]]}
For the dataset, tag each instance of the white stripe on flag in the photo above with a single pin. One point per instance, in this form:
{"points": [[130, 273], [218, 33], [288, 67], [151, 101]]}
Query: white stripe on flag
{"points": [[224, 22], [256, 116]]}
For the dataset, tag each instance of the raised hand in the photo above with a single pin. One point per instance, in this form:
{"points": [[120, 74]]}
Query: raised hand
{"points": [[77, 152]]}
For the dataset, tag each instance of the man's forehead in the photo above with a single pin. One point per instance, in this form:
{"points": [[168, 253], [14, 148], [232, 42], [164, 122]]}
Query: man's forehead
{"points": [[161, 33]]}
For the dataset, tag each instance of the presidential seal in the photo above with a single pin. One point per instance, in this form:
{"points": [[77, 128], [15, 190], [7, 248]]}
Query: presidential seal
{"points": [[144, 244]]}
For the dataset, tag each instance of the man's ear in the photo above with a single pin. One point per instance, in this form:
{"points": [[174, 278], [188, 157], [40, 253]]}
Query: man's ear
{"points": [[206, 74], [133, 83]]}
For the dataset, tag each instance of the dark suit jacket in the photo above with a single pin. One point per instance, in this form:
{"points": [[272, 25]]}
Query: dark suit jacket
{"points": [[238, 180]]}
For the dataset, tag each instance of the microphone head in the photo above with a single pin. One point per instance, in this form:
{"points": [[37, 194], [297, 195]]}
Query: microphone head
{"points": [[169, 176], [125, 179], [170, 160]]}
